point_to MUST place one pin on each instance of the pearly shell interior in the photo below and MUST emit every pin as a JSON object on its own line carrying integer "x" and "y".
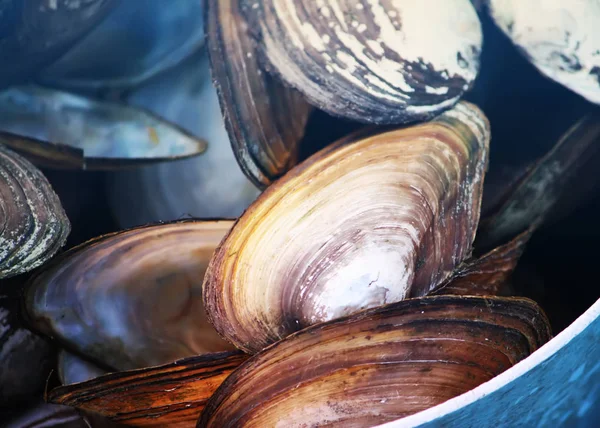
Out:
{"x": 131, "y": 299}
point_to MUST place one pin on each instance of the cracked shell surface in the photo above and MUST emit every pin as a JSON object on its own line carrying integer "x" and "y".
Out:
{"x": 370, "y": 220}
{"x": 375, "y": 61}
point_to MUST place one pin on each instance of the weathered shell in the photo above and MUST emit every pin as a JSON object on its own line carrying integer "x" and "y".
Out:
{"x": 131, "y": 299}
{"x": 379, "y": 365}
{"x": 26, "y": 359}
{"x": 560, "y": 38}
{"x": 377, "y": 61}
{"x": 34, "y": 224}
{"x": 265, "y": 121}
{"x": 172, "y": 395}
{"x": 136, "y": 41}
{"x": 34, "y": 33}
{"x": 98, "y": 134}
{"x": 207, "y": 186}
{"x": 73, "y": 369}
{"x": 370, "y": 220}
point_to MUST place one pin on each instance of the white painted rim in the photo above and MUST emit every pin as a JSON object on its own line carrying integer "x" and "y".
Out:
{"x": 539, "y": 356}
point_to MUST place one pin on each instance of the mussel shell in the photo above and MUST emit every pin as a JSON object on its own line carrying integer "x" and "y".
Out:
{"x": 265, "y": 121}
{"x": 67, "y": 130}
{"x": 74, "y": 369}
{"x": 207, "y": 186}
{"x": 560, "y": 38}
{"x": 34, "y": 33}
{"x": 172, "y": 395}
{"x": 372, "y": 219}
{"x": 379, "y": 365}
{"x": 130, "y": 299}
{"x": 26, "y": 359}
{"x": 136, "y": 41}
{"x": 376, "y": 61}
{"x": 34, "y": 224}
{"x": 564, "y": 174}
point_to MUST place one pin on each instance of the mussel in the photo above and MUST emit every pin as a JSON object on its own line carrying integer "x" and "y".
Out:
{"x": 560, "y": 38}
{"x": 265, "y": 120}
{"x": 534, "y": 196}
{"x": 373, "y": 219}
{"x": 34, "y": 224}
{"x": 130, "y": 299}
{"x": 62, "y": 129}
{"x": 372, "y": 61}
{"x": 172, "y": 395}
{"x": 379, "y": 365}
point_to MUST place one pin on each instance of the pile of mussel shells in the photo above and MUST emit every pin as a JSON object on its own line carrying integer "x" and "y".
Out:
{"x": 308, "y": 230}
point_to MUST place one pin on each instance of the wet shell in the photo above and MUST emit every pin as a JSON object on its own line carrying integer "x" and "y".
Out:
{"x": 560, "y": 38}
{"x": 172, "y": 395}
{"x": 265, "y": 121}
{"x": 78, "y": 132}
{"x": 372, "y": 219}
{"x": 376, "y": 61}
{"x": 34, "y": 224}
{"x": 131, "y": 299}
{"x": 379, "y": 365}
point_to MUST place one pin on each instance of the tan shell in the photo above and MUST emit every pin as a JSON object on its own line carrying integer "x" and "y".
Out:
{"x": 372, "y": 219}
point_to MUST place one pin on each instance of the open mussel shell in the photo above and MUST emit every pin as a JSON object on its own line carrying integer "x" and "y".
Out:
{"x": 171, "y": 395}
{"x": 371, "y": 61}
{"x": 26, "y": 359}
{"x": 207, "y": 186}
{"x": 558, "y": 37}
{"x": 372, "y": 219}
{"x": 265, "y": 120}
{"x": 379, "y": 365}
{"x": 60, "y": 129}
{"x": 33, "y": 33}
{"x": 131, "y": 299}
{"x": 34, "y": 224}
{"x": 135, "y": 42}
